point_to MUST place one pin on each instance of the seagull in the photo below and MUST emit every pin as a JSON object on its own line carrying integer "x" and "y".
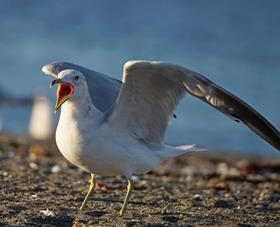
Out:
{"x": 111, "y": 128}
{"x": 41, "y": 119}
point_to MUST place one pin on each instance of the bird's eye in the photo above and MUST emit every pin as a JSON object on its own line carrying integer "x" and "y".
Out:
{"x": 76, "y": 78}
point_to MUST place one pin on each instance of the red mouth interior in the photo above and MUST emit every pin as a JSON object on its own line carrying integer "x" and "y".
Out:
{"x": 65, "y": 90}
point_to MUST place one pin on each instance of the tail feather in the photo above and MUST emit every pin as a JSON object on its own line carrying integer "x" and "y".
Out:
{"x": 191, "y": 148}
{"x": 171, "y": 152}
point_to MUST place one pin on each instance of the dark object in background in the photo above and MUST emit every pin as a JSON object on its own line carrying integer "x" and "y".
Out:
{"x": 7, "y": 99}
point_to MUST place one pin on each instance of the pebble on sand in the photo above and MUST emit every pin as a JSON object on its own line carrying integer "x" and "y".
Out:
{"x": 47, "y": 213}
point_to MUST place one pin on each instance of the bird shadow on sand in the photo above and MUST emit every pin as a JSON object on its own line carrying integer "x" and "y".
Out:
{"x": 60, "y": 220}
{"x": 120, "y": 201}
{"x": 87, "y": 216}
{"x": 93, "y": 213}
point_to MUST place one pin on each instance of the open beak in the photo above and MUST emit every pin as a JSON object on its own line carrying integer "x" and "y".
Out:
{"x": 64, "y": 91}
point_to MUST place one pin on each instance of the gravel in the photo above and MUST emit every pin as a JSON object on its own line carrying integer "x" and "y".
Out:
{"x": 39, "y": 187}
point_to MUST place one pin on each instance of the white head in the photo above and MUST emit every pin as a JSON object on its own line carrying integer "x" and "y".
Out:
{"x": 72, "y": 86}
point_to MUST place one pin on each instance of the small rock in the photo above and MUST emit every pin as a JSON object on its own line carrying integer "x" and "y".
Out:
{"x": 264, "y": 195}
{"x": 143, "y": 182}
{"x": 189, "y": 171}
{"x": 189, "y": 178}
{"x": 55, "y": 169}
{"x": 33, "y": 165}
{"x": 135, "y": 179}
{"x": 34, "y": 196}
{"x": 11, "y": 154}
{"x": 244, "y": 166}
{"x": 37, "y": 150}
{"x": 2, "y": 208}
{"x": 226, "y": 171}
{"x": 256, "y": 178}
{"x": 164, "y": 209}
{"x": 221, "y": 186}
{"x": 47, "y": 213}
{"x": 103, "y": 187}
{"x": 198, "y": 197}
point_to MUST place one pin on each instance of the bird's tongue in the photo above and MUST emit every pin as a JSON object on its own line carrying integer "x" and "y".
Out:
{"x": 64, "y": 91}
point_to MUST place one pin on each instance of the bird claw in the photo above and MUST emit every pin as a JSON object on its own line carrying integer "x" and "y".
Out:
{"x": 121, "y": 212}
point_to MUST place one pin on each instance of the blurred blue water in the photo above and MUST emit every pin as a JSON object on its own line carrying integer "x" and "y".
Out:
{"x": 234, "y": 43}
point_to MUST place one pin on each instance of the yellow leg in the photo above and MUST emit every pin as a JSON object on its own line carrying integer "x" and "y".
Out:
{"x": 90, "y": 191}
{"x": 129, "y": 190}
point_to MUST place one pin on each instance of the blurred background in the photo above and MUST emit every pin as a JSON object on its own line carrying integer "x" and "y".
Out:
{"x": 233, "y": 43}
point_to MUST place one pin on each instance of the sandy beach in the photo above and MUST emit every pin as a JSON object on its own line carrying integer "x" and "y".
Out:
{"x": 227, "y": 57}
{"x": 39, "y": 187}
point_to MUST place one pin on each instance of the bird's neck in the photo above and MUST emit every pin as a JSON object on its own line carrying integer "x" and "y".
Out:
{"x": 82, "y": 108}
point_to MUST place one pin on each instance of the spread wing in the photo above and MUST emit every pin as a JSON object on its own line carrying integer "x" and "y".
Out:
{"x": 103, "y": 89}
{"x": 151, "y": 91}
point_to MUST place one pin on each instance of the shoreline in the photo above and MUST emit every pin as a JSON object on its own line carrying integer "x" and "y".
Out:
{"x": 24, "y": 138}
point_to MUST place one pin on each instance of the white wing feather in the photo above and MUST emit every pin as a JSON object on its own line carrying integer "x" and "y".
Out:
{"x": 152, "y": 90}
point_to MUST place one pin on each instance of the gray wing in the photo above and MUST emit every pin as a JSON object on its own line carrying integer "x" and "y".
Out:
{"x": 103, "y": 89}
{"x": 151, "y": 91}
